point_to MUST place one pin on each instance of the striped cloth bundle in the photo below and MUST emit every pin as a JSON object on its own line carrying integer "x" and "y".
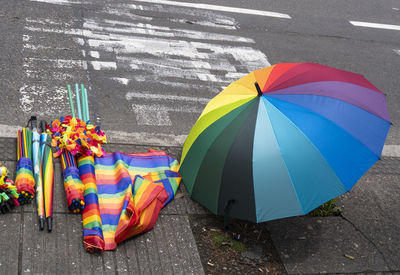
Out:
{"x": 124, "y": 194}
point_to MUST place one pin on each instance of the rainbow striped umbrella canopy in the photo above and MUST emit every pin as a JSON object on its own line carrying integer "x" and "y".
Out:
{"x": 282, "y": 140}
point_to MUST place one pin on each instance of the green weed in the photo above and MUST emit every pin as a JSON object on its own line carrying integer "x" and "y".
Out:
{"x": 222, "y": 240}
{"x": 327, "y": 209}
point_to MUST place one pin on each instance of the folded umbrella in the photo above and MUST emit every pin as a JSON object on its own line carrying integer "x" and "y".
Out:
{"x": 37, "y": 171}
{"x": 24, "y": 181}
{"x": 73, "y": 185}
{"x": 47, "y": 175}
{"x": 283, "y": 140}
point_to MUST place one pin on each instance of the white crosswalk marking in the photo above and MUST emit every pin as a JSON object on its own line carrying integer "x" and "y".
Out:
{"x": 375, "y": 25}
{"x": 122, "y": 44}
{"x": 218, "y": 8}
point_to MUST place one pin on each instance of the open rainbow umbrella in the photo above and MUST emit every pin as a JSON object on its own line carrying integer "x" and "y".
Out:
{"x": 283, "y": 140}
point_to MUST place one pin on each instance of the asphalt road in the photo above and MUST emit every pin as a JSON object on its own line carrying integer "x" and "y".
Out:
{"x": 151, "y": 66}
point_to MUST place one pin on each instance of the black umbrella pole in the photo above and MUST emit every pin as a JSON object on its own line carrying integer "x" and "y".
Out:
{"x": 226, "y": 213}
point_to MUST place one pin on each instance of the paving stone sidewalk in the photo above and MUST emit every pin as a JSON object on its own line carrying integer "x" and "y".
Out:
{"x": 365, "y": 239}
{"x": 169, "y": 248}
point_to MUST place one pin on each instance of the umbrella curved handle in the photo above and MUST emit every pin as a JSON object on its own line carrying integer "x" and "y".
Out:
{"x": 43, "y": 126}
{"x": 33, "y": 122}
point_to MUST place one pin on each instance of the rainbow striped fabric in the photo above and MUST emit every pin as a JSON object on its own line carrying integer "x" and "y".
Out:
{"x": 124, "y": 194}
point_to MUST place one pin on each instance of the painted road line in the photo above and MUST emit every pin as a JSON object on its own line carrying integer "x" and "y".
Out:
{"x": 391, "y": 151}
{"x": 218, "y": 8}
{"x": 158, "y": 139}
{"x": 397, "y": 51}
{"x": 375, "y": 25}
{"x": 157, "y": 114}
{"x": 154, "y": 139}
{"x": 131, "y": 95}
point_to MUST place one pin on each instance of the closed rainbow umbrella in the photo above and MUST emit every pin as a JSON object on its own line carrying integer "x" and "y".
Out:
{"x": 73, "y": 185}
{"x": 283, "y": 140}
{"x": 47, "y": 175}
{"x": 37, "y": 171}
{"x": 24, "y": 181}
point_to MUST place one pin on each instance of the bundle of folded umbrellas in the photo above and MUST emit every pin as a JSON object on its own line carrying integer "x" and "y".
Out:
{"x": 35, "y": 176}
{"x": 8, "y": 192}
{"x": 119, "y": 195}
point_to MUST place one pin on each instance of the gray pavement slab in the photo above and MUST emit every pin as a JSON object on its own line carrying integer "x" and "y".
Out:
{"x": 10, "y": 234}
{"x": 310, "y": 245}
{"x": 367, "y": 230}
{"x": 373, "y": 208}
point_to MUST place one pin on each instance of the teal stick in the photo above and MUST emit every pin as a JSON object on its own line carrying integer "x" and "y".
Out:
{"x": 83, "y": 103}
{"x": 87, "y": 105}
{"x": 78, "y": 101}
{"x": 71, "y": 102}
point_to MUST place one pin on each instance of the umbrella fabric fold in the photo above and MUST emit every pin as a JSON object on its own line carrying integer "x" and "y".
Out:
{"x": 283, "y": 140}
{"x": 131, "y": 190}
{"x": 91, "y": 220}
{"x": 24, "y": 181}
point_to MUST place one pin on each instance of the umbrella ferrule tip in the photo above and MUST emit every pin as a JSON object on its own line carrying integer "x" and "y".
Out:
{"x": 259, "y": 92}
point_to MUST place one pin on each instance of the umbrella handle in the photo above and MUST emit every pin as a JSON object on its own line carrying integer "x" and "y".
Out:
{"x": 33, "y": 121}
{"x": 43, "y": 126}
